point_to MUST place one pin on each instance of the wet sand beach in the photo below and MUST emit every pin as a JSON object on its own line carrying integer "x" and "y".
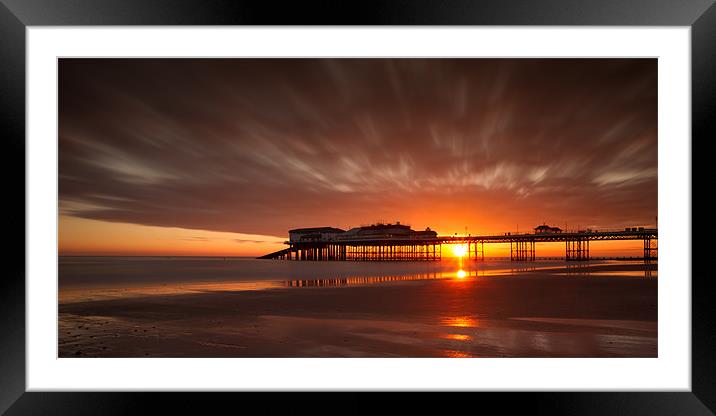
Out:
{"x": 542, "y": 310}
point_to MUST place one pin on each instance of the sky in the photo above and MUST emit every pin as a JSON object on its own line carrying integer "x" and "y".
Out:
{"x": 224, "y": 156}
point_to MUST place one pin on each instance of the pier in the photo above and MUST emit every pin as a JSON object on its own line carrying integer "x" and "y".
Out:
{"x": 379, "y": 250}
{"x": 396, "y": 242}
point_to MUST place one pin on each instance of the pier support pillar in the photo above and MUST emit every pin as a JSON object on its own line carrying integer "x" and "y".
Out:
{"x": 577, "y": 250}
{"x": 522, "y": 250}
{"x": 478, "y": 250}
{"x": 651, "y": 248}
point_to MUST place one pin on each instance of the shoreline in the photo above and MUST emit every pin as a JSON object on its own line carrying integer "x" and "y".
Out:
{"x": 112, "y": 290}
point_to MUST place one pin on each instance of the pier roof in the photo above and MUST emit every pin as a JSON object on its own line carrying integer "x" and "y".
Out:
{"x": 317, "y": 230}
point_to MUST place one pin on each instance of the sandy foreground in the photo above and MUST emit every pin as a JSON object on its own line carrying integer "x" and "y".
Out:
{"x": 605, "y": 311}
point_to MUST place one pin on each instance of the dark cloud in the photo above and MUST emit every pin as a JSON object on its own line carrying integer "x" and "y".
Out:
{"x": 263, "y": 145}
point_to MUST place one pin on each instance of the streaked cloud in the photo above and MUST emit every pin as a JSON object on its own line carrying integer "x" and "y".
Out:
{"x": 625, "y": 176}
{"x": 258, "y": 146}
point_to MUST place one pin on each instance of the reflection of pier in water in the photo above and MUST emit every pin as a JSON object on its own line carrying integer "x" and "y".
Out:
{"x": 586, "y": 270}
{"x": 358, "y": 281}
{"x": 571, "y": 270}
{"x": 579, "y": 269}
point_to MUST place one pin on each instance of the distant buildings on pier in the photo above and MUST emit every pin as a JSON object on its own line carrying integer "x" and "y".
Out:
{"x": 370, "y": 232}
{"x": 546, "y": 229}
{"x": 300, "y": 235}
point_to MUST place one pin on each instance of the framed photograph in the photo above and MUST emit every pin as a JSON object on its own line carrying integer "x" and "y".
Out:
{"x": 454, "y": 197}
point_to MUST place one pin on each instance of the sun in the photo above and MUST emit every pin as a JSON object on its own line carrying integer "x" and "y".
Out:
{"x": 459, "y": 250}
{"x": 461, "y": 274}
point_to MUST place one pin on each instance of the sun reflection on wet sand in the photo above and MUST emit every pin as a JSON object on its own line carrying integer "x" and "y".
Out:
{"x": 460, "y": 321}
{"x": 456, "y": 354}
{"x": 456, "y": 337}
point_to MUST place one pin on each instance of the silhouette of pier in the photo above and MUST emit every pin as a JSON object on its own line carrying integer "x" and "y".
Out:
{"x": 383, "y": 243}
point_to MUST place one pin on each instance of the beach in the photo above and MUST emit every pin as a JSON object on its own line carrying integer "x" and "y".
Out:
{"x": 154, "y": 307}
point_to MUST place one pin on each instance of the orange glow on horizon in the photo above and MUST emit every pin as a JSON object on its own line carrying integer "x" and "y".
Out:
{"x": 82, "y": 237}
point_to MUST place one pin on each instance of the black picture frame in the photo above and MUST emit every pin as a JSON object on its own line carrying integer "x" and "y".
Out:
{"x": 16, "y": 15}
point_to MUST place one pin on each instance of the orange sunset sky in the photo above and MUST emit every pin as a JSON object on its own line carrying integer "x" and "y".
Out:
{"x": 221, "y": 157}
